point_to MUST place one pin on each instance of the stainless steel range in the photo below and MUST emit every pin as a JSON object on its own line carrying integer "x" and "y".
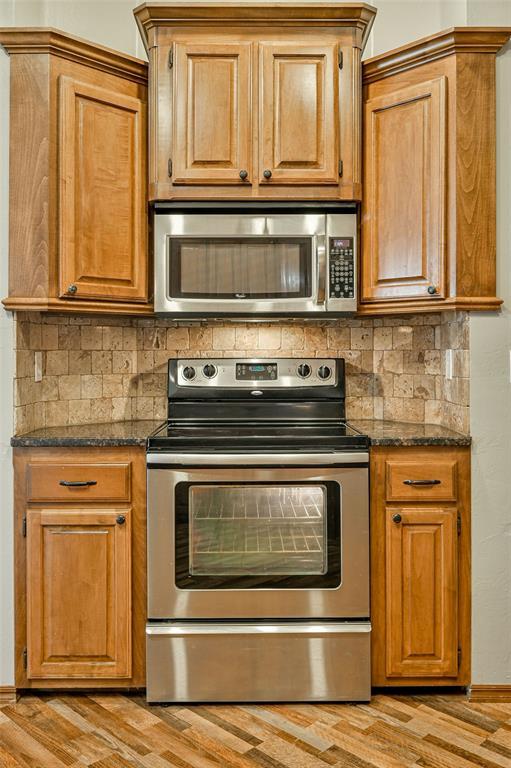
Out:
{"x": 258, "y": 536}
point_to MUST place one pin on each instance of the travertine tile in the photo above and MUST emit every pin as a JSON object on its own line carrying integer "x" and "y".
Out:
{"x": 223, "y": 338}
{"x": 101, "y": 362}
{"x": 92, "y": 337}
{"x": 91, "y": 386}
{"x": 362, "y": 338}
{"x": 246, "y": 337}
{"x": 201, "y": 337}
{"x": 382, "y": 338}
{"x": 115, "y": 367}
{"x": 178, "y": 338}
{"x": 56, "y": 363}
{"x": 70, "y": 388}
{"x": 402, "y": 337}
{"x": 268, "y": 338}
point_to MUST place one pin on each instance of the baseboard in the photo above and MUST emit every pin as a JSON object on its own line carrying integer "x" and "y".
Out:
{"x": 7, "y": 694}
{"x": 494, "y": 693}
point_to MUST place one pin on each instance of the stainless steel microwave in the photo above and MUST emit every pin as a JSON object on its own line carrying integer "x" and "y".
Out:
{"x": 255, "y": 263}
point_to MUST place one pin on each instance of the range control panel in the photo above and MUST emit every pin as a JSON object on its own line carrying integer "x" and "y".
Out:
{"x": 224, "y": 372}
{"x": 342, "y": 267}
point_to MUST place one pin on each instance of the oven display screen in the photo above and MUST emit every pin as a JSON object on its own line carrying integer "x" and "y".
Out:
{"x": 256, "y": 371}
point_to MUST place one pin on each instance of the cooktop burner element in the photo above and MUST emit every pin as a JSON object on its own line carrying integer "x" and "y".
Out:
{"x": 236, "y": 405}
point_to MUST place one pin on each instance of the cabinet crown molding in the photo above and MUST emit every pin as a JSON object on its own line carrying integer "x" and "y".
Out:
{"x": 30, "y": 40}
{"x": 260, "y": 12}
{"x": 444, "y": 43}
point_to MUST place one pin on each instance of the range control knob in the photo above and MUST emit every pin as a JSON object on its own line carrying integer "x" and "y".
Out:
{"x": 324, "y": 372}
{"x": 209, "y": 371}
{"x": 188, "y": 373}
{"x": 304, "y": 370}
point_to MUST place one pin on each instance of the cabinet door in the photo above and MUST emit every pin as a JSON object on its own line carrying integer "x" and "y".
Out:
{"x": 212, "y": 108}
{"x": 102, "y": 200}
{"x": 403, "y": 221}
{"x": 421, "y": 592}
{"x": 299, "y": 114}
{"x": 79, "y": 593}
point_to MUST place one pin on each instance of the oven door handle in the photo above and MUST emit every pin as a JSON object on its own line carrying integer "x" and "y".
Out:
{"x": 256, "y": 459}
{"x": 319, "y": 247}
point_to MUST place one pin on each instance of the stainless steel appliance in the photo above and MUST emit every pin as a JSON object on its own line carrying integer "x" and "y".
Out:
{"x": 258, "y": 536}
{"x": 274, "y": 263}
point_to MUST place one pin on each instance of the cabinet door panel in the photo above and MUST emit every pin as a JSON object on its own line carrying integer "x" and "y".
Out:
{"x": 102, "y": 248}
{"x": 78, "y": 594}
{"x": 421, "y": 592}
{"x": 299, "y": 114}
{"x": 212, "y": 106}
{"x": 403, "y": 217}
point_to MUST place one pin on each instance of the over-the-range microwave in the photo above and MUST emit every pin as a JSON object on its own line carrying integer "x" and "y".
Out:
{"x": 255, "y": 263}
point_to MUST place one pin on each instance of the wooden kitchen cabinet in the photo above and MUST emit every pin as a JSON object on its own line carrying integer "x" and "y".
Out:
{"x": 299, "y": 114}
{"x": 78, "y": 593}
{"x": 78, "y": 210}
{"x": 80, "y": 567}
{"x": 420, "y": 566}
{"x": 212, "y": 118}
{"x": 254, "y": 101}
{"x": 428, "y": 208}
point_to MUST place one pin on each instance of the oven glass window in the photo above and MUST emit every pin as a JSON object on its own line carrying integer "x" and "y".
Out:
{"x": 262, "y": 530}
{"x": 252, "y": 268}
{"x": 258, "y": 535}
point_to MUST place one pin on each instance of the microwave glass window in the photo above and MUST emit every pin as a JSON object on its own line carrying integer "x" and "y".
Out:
{"x": 258, "y": 530}
{"x": 240, "y": 268}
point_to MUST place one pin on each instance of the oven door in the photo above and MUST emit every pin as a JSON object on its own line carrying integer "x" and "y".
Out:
{"x": 211, "y": 264}
{"x": 258, "y": 541}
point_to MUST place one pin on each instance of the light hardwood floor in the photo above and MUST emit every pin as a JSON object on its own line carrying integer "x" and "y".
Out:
{"x": 114, "y": 731}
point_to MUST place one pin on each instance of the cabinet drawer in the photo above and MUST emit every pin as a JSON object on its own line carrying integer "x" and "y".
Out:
{"x": 421, "y": 481}
{"x": 78, "y": 482}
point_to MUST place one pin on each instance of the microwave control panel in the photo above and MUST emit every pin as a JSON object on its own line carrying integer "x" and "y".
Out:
{"x": 342, "y": 268}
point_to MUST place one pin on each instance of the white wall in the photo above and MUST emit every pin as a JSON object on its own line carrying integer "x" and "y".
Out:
{"x": 490, "y": 411}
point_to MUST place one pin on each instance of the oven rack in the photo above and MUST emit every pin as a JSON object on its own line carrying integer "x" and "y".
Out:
{"x": 284, "y": 539}
{"x": 306, "y": 514}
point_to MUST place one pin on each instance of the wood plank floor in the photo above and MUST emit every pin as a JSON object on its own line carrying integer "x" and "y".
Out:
{"x": 117, "y": 731}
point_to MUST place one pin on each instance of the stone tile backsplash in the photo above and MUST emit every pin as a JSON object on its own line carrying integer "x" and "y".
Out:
{"x": 98, "y": 369}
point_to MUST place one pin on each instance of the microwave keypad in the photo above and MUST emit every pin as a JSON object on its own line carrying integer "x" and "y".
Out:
{"x": 342, "y": 269}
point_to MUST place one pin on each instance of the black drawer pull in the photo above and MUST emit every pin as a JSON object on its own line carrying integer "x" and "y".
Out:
{"x": 77, "y": 483}
{"x": 422, "y": 482}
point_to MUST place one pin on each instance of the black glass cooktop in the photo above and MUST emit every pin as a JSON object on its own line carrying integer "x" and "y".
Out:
{"x": 229, "y": 436}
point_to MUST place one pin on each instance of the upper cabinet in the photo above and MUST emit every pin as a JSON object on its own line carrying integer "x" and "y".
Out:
{"x": 255, "y": 100}
{"x": 428, "y": 209}
{"x": 78, "y": 178}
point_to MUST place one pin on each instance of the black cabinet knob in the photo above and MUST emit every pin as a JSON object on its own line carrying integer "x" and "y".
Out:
{"x": 243, "y": 175}
{"x": 120, "y": 519}
{"x": 72, "y": 289}
{"x": 267, "y": 173}
{"x": 396, "y": 518}
{"x": 431, "y": 290}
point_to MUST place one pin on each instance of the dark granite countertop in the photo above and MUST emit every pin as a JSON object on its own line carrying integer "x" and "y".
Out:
{"x": 95, "y": 435}
{"x": 391, "y": 433}
{"x": 396, "y": 433}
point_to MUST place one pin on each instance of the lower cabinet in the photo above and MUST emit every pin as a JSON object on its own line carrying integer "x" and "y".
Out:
{"x": 80, "y": 567}
{"x": 420, "y": 549}
{"x": 78, "y": 593}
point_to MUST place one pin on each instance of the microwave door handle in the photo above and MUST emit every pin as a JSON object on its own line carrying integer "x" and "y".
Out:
{"x": 320, "y": 251}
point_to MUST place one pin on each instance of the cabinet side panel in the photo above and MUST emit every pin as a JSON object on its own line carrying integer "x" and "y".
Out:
{"x": 476, "y": 175}
{"x": 29, "y": 176}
